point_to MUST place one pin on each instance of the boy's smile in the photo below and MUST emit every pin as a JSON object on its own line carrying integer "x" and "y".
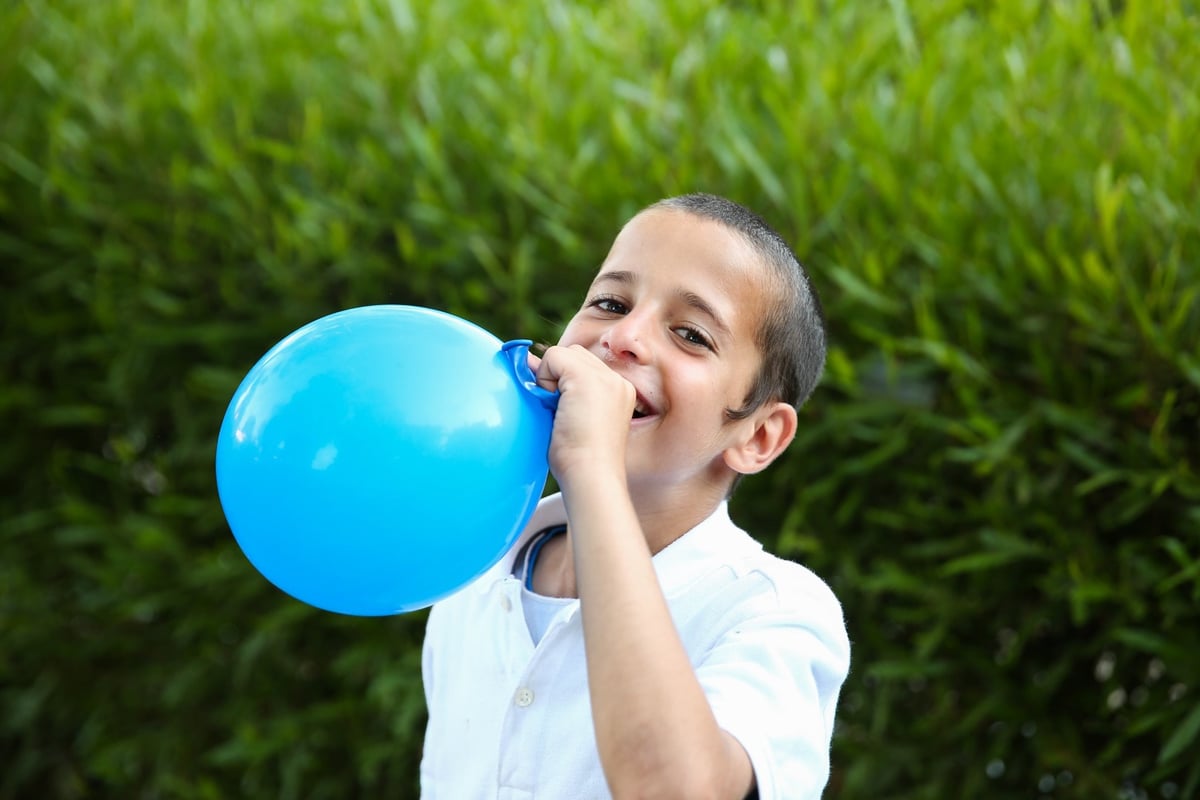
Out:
{"x": 674, "y": 310}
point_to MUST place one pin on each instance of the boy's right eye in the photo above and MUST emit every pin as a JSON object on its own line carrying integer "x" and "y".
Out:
{"x": 609, "y": 305}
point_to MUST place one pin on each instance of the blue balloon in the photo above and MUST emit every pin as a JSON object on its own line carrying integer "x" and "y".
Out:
{"x": 380, "y": 458}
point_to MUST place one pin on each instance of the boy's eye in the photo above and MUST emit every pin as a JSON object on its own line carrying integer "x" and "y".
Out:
{"x": 693, "y": 336}
{"x": 609, "y": 305}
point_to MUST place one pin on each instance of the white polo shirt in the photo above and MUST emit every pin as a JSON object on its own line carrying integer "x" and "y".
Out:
{"x": 509, "y": 720}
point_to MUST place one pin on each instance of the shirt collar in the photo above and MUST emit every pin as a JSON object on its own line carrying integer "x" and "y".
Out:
{"x": 713, "y": 542}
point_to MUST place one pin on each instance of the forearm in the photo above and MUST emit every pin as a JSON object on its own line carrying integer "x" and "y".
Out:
{"x": 654, "y": 727}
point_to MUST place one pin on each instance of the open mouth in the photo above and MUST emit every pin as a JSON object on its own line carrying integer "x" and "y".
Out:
{"x": 641, "y": 409}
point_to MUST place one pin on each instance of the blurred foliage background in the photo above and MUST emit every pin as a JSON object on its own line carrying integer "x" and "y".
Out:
{"x": 998, "y": 201}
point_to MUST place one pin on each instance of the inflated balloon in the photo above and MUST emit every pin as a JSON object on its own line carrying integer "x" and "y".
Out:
{"x": 380, "y": 458}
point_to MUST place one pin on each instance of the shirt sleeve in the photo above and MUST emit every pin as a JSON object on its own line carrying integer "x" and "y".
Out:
{"x": 773, "y": 681}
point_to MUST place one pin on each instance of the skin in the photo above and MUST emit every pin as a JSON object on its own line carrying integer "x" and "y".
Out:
{"x": 667, "y": 327}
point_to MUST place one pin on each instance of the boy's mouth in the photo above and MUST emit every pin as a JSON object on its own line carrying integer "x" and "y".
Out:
{"x": 642, "y": 409}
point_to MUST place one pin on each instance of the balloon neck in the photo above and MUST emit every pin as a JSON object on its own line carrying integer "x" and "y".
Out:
{"x": 517, "y": 354}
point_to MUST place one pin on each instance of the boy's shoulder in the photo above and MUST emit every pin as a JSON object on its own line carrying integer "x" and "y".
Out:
{"x": 792, "y": 591}
{"x": 789, "y": 583}
{"x": 720, "y": 545}
{"x": 725, "y": 590}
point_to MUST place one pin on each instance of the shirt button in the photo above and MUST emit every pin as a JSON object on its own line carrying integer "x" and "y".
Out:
{"x": 505, "y": 603}
{"x": 524, "y": 697}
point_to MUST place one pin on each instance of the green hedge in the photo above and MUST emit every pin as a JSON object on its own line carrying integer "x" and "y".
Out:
{"x": 999, "y": 202}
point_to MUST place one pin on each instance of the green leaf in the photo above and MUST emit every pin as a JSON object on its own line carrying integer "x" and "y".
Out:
{"x": 1182, "y": 738}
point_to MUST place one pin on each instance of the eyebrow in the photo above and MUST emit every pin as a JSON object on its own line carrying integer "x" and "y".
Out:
{"x": 691, "y": 299}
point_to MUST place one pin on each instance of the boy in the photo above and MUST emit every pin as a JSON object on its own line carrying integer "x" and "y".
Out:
{"x": 635, "y": 642}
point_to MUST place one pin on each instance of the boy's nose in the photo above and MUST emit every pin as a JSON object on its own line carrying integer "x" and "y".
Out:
{"x": 627, "y": 339}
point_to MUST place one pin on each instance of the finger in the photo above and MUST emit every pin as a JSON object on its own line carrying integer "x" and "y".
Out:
{"x": 547, "y": 371}
{"x": 533, "y": 361}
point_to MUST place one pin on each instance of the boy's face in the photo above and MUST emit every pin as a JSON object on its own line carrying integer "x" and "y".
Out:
{"x": 674, "y": 310}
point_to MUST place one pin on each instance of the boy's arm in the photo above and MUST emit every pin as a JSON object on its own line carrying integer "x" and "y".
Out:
{"x": 654, "y": 727}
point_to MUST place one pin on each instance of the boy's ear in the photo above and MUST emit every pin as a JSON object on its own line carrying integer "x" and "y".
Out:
{"x": 768, "y": 432}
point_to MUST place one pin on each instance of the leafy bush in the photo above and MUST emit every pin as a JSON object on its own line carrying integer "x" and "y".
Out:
{"x": 998, "y": 475}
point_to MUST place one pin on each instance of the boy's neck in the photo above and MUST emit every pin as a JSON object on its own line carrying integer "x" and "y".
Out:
{"x": 667, "y": 515}
{"x": 663, "y": 516}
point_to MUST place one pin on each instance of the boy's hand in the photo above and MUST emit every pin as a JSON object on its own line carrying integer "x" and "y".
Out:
{"x": 594, "y": 410}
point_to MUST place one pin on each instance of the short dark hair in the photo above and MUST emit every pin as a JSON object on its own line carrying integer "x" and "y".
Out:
{"x": 791, "y": 337}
